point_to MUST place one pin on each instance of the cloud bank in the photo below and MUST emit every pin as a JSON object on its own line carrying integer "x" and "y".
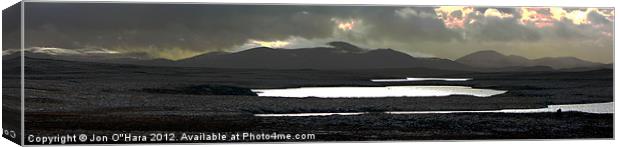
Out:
{"x": 177, "y": 31}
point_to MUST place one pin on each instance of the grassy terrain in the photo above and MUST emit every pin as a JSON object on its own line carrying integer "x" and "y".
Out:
{"x": 69, "y": 96}
{"x": 347, "y": 128}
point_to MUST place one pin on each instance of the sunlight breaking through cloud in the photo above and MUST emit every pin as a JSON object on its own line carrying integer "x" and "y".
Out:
{"x": 345, "y": 25}
{"x": 271, "y": 44}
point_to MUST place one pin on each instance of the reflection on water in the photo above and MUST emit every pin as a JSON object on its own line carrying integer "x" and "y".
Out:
{"x": 588, "y": 108}
{"x": 377, "y": 92}
{"x": 422, "y": 79}
{"x": 307, "y": 114}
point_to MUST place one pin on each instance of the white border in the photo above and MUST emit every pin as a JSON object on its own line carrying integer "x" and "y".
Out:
{"x": 567, "y": 3}
{"x": 494, "y": 143}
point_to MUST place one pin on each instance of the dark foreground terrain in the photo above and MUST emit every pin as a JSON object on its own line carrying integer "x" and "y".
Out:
{"x": 82, "y": 97}
{"x": 367, "y": 127}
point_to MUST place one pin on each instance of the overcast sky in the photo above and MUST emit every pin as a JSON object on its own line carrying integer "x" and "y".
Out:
{"x": 177, "y": 31}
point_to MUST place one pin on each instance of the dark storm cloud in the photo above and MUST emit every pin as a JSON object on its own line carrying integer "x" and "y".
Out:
{"x": 492, "y": 28}
{"x": 565, "y": 30}
{"x": 178, "y": 31}
{"x": 210, "y": 27}
{"x": 597, "y": 18}
{"x": 194, "y": 27}
{"x": 506, "y": 30}
{"x": 11, "y": 27}
{"x": 216, "y": 27}
{"x": 408, "y": 25}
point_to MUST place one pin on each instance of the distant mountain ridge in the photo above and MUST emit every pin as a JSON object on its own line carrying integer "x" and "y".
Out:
{"x": 340, "y": 55}
{"x": 87, "y": 55}
{"x": 493, "y": 59}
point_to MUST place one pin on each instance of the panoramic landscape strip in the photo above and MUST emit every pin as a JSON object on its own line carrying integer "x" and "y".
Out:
{"x": 222, "y": 73}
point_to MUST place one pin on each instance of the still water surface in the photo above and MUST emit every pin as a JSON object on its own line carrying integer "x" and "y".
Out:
{"x": 422, "y": 79}
{"x": 600, "y": 108}
{"x": 377, "y": 92}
